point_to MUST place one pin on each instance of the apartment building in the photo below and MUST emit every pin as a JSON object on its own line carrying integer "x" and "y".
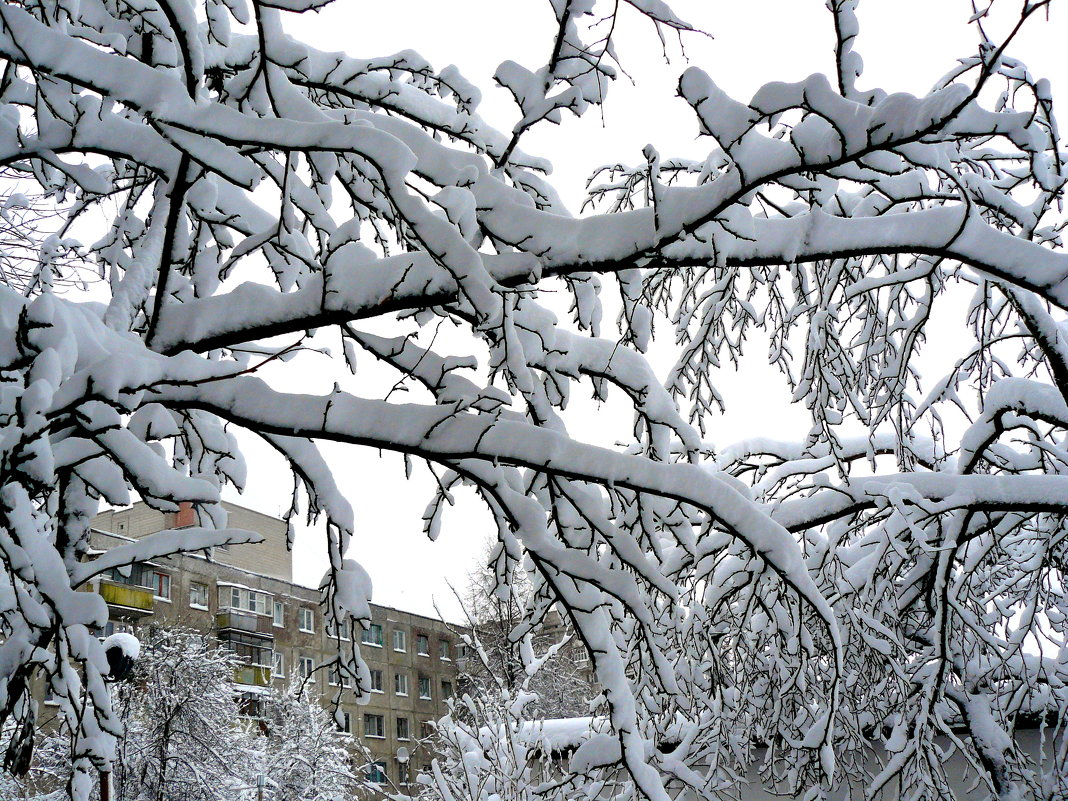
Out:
{"x": 245, "y": 595}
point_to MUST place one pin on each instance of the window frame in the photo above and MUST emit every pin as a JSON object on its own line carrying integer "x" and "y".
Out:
{"x": 339, "y": 630}
{"x": 371, "y": 680}
{"x": 368, "y": 717}
{"x": 403, "y": 637}
{"x": 397, "y": 676}
{"x": 376, "y": 773}
{"x": 278, "y": 615}
{"x": 157, "y": 586}
{"x": 424, "y": 681}
{"x": 407, "y": 728}
{"x": 309, "y": 675}
{"x": 194, "y": 586}
{"x": 306, "y": 613}
{"x": 422, "y": 645}
{"x": 444, "y": 650}
{"x": 367, "y": 633}
{"x": 338, "y": 679}
{"x": 243, "y": 599}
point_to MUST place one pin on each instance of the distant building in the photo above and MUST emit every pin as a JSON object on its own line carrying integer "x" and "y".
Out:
{"x": 246, "y": 596}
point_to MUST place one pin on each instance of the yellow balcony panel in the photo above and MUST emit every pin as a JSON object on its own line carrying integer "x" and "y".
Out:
{"x": 127, "y": 598}
{"x": 252, "y": 675}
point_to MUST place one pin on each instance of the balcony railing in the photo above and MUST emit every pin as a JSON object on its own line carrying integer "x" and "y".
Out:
{"x": 129, "y": 598}
{"x": 243, "y": 621}
{"x": 252, "y": 675}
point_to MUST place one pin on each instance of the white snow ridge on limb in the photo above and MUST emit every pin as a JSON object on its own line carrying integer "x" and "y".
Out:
{"x": 838, "y": 608}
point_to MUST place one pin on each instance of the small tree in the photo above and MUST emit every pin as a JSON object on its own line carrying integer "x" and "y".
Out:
{"x": 184, "y": 740}
{"x": 302, "y": 754}
{"x": 508, "y": 639}
{"x": 495, "y": 743}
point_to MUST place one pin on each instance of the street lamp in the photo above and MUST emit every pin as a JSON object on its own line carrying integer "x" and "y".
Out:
{"x": 404, "y": 758}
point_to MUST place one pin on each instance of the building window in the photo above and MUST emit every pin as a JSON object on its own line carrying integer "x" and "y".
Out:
{"x": 133, "y": 575}
{"x": 424, "y": 687}
{"x": 444, "y": 651}
{"x": 427, "y": 727}
{"x": 422, "y": 645}
{"x": 278, "y": 666}
{"x": 278, "y": 616}
{"x": 376, "y": 680}
{"x": 307, "y": 668}
{"x": 374, "y": 726}
{"x": 198, "y": 595}
{"x": 339, "y": 629}
{"x": 346, "y": 723}
{"x": 161, "y": 586}
{"x": 336, "y": 678}
{"x": 400, "y": 683}
{"x": 376, "y": 772}
{"x": 372, "y": 635}
{"x": 400, "y": 640}
{"x": 446, "y": 689}
{"x": 242, "y": 599}
{"x": 306, "y": 620}
{"x": 402, "y": 729}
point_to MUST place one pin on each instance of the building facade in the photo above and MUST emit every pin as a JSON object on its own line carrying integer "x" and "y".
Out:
{"x": 245, "y": 595}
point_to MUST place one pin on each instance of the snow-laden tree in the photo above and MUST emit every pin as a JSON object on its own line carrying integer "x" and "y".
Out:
{"x": 497, "y": 661}
{"x": 184, "y": 739}
{"x": 893, "y": 575}
{"x": 504, "y": 735}
{"x": 302, "y": 755}
{"x": 494, "y": 744}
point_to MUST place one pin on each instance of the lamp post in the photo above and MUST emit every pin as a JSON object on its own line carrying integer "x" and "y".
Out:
{"x": 404, "y": 758}
{"x": 122, "y": 650}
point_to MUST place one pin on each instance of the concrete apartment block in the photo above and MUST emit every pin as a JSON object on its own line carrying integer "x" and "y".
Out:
{"x": 270, "y": 557}
{"x": 245, "y": 596}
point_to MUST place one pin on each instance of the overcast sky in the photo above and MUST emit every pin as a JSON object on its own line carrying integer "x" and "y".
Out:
{"x": 906, "y": 45}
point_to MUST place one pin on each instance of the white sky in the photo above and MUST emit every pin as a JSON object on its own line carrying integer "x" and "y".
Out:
{"x": 906, "y": 45}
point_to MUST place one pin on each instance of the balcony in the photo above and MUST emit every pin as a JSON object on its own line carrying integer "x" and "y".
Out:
{"x": 243, "y": 621}
{"x": 126, "y": 600}
{"x": 252, "y": 675}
